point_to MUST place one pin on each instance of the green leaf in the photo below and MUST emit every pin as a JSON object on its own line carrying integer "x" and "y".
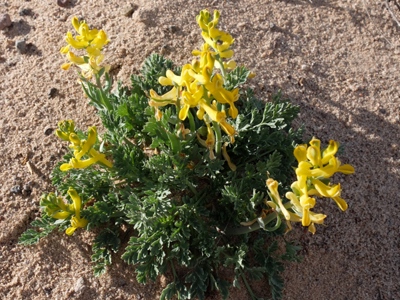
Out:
{"x": 44, "y": 227}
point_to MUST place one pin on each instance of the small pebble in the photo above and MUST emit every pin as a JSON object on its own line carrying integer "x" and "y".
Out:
{"x": 53, "y": 92}
{"x": 63, "y": 3}
{"x": 305, "y": 68}
{"x": 21, "y": 46}
{"x": 79, "y": 285}
{"x": 27, "y": 189}
{"x": 5, "y": 21}
{"x": 25, "y": 12}
{"x": 382, "y": 111}
{"x": 48, "y": 131}
{"x": 172, "y": 28}
{"x": 16, "y": 189}
{"x": 129, "y": 10}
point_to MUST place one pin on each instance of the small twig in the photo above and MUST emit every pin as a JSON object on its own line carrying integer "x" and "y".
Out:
{"x": 391, "y": 12}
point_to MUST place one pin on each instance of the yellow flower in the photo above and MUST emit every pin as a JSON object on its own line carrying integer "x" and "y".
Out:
{"x": 225, "y": 154}
{"x": 170, "y": 97}
{"x": 81, "y": 147}
{"x": 92, "y": 41}
{"x": 216, "y": 116}
{"x": 313, "y": 173}
{"x": 313, "y": 163}
{"x": 215, "y": 87}
{"x": 219, "y": 40}
{"x": 298, "y": 213}
{"x": 190, "y": 99}
{"x": 296, "y": 210}
{"x": 75, "y": 224}
{"x": 56, "y": 208}
{"x": 76, "y": 220}
{"x": 274, "y": 194}
{"x": 209, "y": 143}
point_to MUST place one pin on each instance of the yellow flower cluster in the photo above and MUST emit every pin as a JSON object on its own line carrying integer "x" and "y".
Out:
{"x": 81, "y": 148}
{"x": 313, "y": 173}
{"x": 199, "y": 86}
{"x": 56, "y": 208}
{"x": 92, "y": 41}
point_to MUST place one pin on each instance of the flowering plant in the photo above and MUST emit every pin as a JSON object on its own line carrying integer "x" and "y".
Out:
{"x": 181, "y": 170}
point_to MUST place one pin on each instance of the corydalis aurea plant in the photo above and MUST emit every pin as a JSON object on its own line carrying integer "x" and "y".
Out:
{"x": 166, "y": 180}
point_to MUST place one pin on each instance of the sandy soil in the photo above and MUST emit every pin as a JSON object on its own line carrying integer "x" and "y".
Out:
{"x": 338, "y": 60}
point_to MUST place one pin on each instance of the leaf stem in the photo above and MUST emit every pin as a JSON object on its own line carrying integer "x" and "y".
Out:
{"x": 255, "y": 226}
{"x": 218, "y": 138}
{"x": 253, "y": 297}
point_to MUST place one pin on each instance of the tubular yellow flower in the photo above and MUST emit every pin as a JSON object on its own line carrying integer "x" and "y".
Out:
{"x": 219, "y": 40}
{"x": 273, "y": 189}
{"x": 217, "y": 116}
{"x": 75, "y": 224}
{"x": 56, "y": 208}
{"x": 81, "y": 148}
{"x": 170, "y": 97}
{"x": 76, "y": 220}
{"x": 77, "y": 60}
{"x": 225, "y": 154}
{"x": 215, "y": 87}
{"x": 90, "y": 40}
{"x": 86, "y": 145}
{"x": 298, "y": 213}
{"x": 190, "y": 98}
{"x": 325, "y": 190}
{"x": 313, "y": 173}
{"x": 300, "y": 153}
{"x": 209, "y": 143}
{"x": 76, "y": 43}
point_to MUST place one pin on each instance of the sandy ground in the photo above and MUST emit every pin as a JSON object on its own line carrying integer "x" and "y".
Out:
{"x": 338, "y": 60}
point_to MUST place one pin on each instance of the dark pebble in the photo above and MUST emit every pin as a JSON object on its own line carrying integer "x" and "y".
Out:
{"x": 173, "y": 28}
{"x": 21, "y": 46}
{"x": 63, "y": 3}
{"x": 48, "y": 131}
{"x": 53, "y": 92}
{"x": 382, "y": 111}
{"x": 27, "y": 190}
{"x": 25, "y": 12}
{"x": 5, "y": 21}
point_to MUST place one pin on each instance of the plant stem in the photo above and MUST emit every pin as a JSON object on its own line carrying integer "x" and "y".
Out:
{"x": 253, "y": 227}
{"x": 104, "y": 98}
{"x": 253, "y": 297}
{"x": 173, "y": 270}
{"x": 218, "y": 138}
{"x": 192, "y": 125}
